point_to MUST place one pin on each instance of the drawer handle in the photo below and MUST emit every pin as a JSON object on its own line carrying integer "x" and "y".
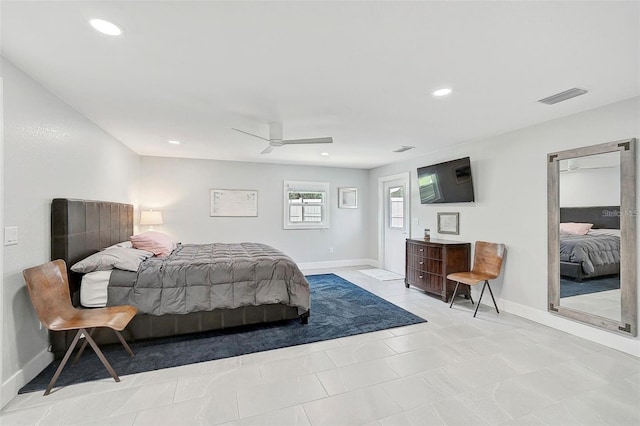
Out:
{"x": 422, "y": 263}
{"x": 421, "y": 276}
{"x": 421, "y": 249}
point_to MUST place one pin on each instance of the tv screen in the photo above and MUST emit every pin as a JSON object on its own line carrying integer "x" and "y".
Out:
{"x": 448, "y": 182}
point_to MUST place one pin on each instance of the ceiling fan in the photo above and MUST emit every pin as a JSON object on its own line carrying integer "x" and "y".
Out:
{"x": 275, "y": 138}
{"x": 574, "y": 164}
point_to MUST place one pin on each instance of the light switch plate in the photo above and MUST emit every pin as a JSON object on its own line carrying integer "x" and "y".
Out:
{"x": 10, "y": 235}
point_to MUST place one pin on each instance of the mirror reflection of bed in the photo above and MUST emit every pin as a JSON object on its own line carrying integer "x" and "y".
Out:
{"x": 590, "y": 234}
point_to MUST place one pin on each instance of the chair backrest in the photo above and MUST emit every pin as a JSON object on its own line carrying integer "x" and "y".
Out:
{"x": 488, "y": 258}
{"x": 48, "y": 287}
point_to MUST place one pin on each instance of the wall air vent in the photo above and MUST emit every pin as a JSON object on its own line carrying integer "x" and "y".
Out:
{"x": 403, "y": 148}
{"x": 563, "y": 96}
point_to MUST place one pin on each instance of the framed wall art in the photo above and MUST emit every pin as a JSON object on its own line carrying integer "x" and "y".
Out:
{"x": 449, "y": 223}
{"x": 233, "y": 202}
{"x": 348, "y": 198}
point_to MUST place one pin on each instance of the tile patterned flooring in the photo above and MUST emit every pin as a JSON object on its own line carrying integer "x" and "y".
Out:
{"x": 604, "y": 303}
{"x": 452, "y": 370}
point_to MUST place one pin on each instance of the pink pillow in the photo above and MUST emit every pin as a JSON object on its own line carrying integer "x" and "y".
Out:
{"x": 156, "y": 242}
{"x": 574, "y": 228}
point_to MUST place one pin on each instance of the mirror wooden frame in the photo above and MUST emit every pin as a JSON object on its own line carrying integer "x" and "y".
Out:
{"x": 628, "y": 324}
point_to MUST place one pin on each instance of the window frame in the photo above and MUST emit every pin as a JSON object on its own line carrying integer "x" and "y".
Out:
{"x": 306, "y": 186}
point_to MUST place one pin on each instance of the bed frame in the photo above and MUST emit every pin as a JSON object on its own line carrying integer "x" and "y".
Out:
{"x": 80, "y": 228}
{"x": 600, "y": 220}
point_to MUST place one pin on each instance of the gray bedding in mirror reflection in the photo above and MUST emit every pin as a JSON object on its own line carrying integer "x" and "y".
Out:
{"x": 591, "y": 251}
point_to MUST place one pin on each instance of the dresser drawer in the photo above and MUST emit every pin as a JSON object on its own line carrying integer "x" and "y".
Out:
{"x": 425, "y": 264}
{"x": 425, "y": 280}
{"x": 422, "y": 250}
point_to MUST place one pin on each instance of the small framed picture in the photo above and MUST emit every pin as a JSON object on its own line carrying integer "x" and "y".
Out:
{"x": 449, "y": 223}
{"x": 348, "y": 198}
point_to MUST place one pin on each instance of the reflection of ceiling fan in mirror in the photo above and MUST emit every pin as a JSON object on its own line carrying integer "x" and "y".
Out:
{"x": 275, "y": 138}
{"x": 575, "y": 164}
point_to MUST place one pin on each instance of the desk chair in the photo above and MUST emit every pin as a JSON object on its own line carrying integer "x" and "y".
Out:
{"x": 487, "y": 264}
{"x": 48, "y": 287}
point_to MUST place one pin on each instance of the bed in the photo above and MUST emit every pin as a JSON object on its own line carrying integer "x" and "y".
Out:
{"x": 596, "y": 253}
{"x": 80, "y": 228}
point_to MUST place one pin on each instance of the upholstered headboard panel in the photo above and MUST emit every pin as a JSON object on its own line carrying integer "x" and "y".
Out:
{"x": 80, "y": 228}
{"x": 602, "y": 217}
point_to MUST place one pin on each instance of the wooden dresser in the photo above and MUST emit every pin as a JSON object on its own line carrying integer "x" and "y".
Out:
{"x": 428, "y": 262}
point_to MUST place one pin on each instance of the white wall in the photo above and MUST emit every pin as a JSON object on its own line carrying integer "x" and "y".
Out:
{"x": 180, "y": 189}
{"x": 50, "y": 150}
{"x": 510, "y": 180}
{"x": 590, "y": 187}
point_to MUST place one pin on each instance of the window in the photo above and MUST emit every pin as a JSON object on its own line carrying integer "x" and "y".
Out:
{"x": 396, "y": 198}
{"x": 306, "y": 205}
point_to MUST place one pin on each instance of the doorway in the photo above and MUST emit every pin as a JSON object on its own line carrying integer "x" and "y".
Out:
{"x": 394, "y": 204}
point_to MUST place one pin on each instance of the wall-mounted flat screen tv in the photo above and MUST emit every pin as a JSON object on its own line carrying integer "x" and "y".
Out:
{"x": 448, "y": 182}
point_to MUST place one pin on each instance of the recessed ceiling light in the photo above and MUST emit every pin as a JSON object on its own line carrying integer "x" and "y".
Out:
{"x": 442, "y": 92}
{"x": 174, "y": 142}
{"x": 324, "y": 153}
{"x": 105, "y": 27}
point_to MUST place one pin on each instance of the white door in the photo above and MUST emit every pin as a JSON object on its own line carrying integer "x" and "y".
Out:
{"x": 396, "y": 223}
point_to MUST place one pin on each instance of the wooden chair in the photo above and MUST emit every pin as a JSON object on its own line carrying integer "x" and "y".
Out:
{"x": 487, "y": 263}
{"x": 49, "y": 292}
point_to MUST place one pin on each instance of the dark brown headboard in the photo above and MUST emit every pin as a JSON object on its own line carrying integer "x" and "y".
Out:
{"x": 602, "y": 217}
{"x": 80, "y": 228}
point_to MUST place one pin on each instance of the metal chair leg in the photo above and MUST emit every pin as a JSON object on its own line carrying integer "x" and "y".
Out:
{"x": 82, "y": 347}
{"x": 63, "y": 362}
{"x": 479, "y": 300}
{"x": 102, "y": 358}
{"x": 492, "y": 298}
{"x": 454, "y": 294}
{"x": 124, "y": 343}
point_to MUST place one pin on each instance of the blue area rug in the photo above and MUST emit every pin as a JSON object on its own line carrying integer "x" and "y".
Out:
{"x": 338, "y": 309}
{"x": 570, "y": 288}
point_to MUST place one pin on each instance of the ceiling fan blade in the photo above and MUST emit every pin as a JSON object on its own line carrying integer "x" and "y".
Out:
{"x": 267, "y": 150}
{"x": 305, "y": 141}
{"x": 250, "y": 134}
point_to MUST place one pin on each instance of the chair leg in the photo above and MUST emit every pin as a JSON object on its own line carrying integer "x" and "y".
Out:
{"x": 492, "y": 298}
{"x": 102, "y": 358}
{"x": 479, "y": 300}
{"x": 63, "y": 362}
{"x": 455, "y": 290}
{"x": 82, "y": 347}
{"x": 124, "y": 343}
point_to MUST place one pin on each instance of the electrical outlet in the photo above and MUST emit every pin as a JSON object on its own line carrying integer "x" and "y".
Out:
{"x": 330, "y": 249}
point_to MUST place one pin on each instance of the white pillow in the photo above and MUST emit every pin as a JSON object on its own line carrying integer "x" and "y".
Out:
{"x": 127, "y": 259}
{"x": 124, "y": 244}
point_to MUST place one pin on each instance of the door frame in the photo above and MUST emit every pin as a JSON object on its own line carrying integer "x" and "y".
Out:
{"x": 381, "y": 208}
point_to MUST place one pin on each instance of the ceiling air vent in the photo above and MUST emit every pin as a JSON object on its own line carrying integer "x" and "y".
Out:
{"x": 403, "y": 148}
{"x": 563, "y": 96}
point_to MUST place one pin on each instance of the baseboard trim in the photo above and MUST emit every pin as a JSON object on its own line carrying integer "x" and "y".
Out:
{"x": 338, "y": 263}
{"x": 624, "y": 344}
{"x": 12, "y": 385}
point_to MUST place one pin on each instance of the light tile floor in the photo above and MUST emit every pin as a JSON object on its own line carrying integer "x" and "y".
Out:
{"x": 604, "y": 303}
{"x": 454, "y": 369}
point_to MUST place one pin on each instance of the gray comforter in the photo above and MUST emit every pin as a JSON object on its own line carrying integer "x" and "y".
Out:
{"x": 204, "y": 277}
{"x": 590, "y": 250}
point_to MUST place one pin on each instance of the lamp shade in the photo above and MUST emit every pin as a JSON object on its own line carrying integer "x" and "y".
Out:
{"x": 150, "y": 217}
